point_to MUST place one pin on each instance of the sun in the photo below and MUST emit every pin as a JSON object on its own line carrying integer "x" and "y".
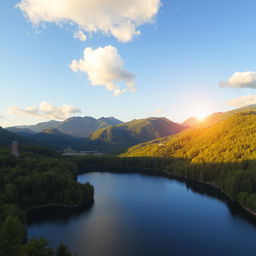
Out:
{"x": 201, "y": 116}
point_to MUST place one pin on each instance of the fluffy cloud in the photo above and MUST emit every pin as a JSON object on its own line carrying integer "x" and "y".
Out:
{"x": 243, "y": 101}
{"x": 79, "y": 35}
{"x": 241, "y": 80}
{"x": 119, "y": 18}
{"x": 105, "y": 67}
{"x": 46, "y": 110}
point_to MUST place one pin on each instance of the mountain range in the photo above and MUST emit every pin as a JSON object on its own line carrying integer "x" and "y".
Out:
{"x": 74, "y": 126}
{"x": 193, "y": 139}
{"x": 115, "y": 138}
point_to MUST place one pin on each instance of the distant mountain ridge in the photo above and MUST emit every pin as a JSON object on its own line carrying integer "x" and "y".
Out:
{"x": 74, "y": 126}
{"x": 7, "y": 137}
{"x": 52, "y": 124}
{"x": 111, "y": 139}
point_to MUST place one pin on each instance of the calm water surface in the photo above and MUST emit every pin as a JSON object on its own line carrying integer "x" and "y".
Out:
{"x": 138, "y": 215}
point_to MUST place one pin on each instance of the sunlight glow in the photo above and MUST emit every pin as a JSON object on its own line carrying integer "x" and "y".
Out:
{"x": 201, "y": 116}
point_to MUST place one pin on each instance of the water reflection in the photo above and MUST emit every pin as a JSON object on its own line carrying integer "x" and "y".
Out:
{"x": 209, "y": 191}
{"x": 137, "y": 215}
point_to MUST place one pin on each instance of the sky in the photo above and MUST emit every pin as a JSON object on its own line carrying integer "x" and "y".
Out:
{"x": 129, "y": 59}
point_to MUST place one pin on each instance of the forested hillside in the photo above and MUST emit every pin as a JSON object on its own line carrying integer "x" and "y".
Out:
{"x": 227, "y": 141}
{"x": 223, "y": 154}
{"x": 136, "y": 131}
{"x": 34, "y": 179}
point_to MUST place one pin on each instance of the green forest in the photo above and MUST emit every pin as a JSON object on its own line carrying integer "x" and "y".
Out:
{"x": 37, "y": 178}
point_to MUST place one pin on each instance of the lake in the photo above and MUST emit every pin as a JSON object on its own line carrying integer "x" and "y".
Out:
{"x": 137, "y": 215}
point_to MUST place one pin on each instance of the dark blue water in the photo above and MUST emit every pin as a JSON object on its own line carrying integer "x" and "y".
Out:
{"x": 137, "y": 215}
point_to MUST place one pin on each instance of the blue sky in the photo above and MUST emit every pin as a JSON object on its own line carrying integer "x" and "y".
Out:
{"x": 179, "y": 61}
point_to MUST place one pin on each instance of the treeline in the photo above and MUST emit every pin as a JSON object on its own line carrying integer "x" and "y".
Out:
{"x": 37, "y": 178}
{"x": 110, "y": 163}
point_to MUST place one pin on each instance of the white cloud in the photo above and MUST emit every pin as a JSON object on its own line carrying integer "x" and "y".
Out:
{"x": 243, "y": 101}
{"x": 119, "y": 18}
{"x": 80, "y": 35}
{"x": 241, "y": 80}
{"x": 46, "y": 110}
{"x": 105, "y": 67}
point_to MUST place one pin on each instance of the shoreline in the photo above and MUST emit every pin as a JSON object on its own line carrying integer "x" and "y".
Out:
{"x": 252, "y": 213}
{"x": 146, "y": 171}
{"x": 57, "y": 205}
{"x": 170, "y": 175}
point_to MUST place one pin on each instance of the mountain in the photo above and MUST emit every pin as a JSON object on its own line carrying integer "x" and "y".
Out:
{"x": 217, "y": 117}
{"x": 247, "y": 109}
{"x": 192, "y": 121}
{"x": 58, "y": 140}
{"x": 230, "y": 140}
{"x": 20, "y": 131}
{"x": 38, "y": 127}
{"x": 206, "y": 122}
{"x": 73, "y": 132}
{"x": 52, "y": 138}
{"x": 136, "y": 131}
{"x": 83, "y": 126}
{"x": 7, "y": 137}
{"x": 74, "y": 126}
{"x": 108, "y": 121}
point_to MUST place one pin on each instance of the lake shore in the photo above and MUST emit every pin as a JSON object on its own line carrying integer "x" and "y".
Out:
{"x": 59, "y": 206}
{"x": 164, "y": 173}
